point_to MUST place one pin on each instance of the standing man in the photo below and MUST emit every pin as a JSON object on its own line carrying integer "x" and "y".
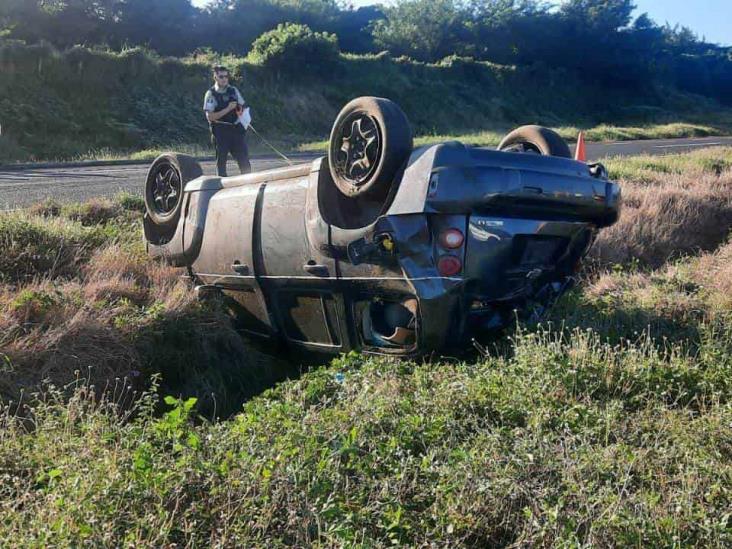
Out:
{"x": 222, "y": 105}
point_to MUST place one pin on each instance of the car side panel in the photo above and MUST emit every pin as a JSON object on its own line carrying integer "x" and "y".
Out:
{"x": 227, "y": 257}
{"x": 299, "y": 281}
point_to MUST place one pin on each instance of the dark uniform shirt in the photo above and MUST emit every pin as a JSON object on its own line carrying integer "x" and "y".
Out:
{"x": 215, "y": 101}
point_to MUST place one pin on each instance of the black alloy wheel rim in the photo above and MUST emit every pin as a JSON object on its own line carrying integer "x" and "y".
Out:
{"x": 523, "y": 147}
{"x": 358, "y": 148}
{"x": 166, "y": 189}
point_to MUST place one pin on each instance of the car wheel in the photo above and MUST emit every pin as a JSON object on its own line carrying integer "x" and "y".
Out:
{"x": 536, "y": 140}
{"x": 164, "y": 186}
{"x": 370, "y": 141}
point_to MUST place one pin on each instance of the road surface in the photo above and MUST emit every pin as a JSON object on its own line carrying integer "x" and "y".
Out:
{"x": 24, "y": 186}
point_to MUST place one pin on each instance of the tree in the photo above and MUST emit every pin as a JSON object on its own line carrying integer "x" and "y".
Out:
{"x": 423, "y": 29}
{"x": 353, "y": 28}
{"x": 167, "y": 26}
{"x": 509, "y": 31}
{"x": 598, "y": 15}
{"x": 69, "y": 22}
{"x": 296, "y": 49}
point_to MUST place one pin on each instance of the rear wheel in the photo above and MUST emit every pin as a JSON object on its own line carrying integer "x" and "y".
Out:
{"x": 164, "y": 186}
{"x": 536, "y": 140}
{"x": 371, "y": 139}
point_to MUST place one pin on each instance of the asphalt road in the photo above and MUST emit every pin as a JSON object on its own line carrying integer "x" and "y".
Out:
{"x": 24, "y": 186}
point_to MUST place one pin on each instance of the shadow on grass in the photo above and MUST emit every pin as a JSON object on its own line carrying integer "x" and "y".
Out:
{"x": 203, "y": 356}
{"x": 615, "y": 323}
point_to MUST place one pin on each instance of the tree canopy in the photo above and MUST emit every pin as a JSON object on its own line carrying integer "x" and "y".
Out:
{"x": 599, "y": 39}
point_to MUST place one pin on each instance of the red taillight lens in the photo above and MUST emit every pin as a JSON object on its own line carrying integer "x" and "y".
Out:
{"x": 449, "y": 265}
{"x": 451, "y": 239}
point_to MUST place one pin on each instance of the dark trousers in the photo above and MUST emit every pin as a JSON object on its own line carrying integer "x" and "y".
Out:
{"x": 230, "y": 139}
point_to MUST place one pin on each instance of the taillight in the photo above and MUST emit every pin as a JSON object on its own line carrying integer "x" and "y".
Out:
{"x": 451, "y": 239}
{"x": 449, "y": 265}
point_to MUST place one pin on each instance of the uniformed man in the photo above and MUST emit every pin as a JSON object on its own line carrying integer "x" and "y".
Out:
{"x": 222, "y": 105}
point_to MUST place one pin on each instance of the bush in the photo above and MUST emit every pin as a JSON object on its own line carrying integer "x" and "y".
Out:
{"x": 296, "y": 48}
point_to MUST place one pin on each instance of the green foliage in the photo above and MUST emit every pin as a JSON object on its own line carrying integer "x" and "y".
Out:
{"x": 423, "y": 29}
{"x": 598, "y": 39}
{"x": 565, "y": 441}
{"x": 99, "y": 103}
{"x": 296, "y": 49}
{"x": 605, "y": 16}
{"x": 34, "y": 306}
{"x": 131, "y": 202}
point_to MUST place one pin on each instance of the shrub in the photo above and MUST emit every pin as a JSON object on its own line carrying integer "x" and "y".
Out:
{"x": 296, "y": 48}
{"x": 48, "y": 208}
{"x": 131, "y": 202}
{"x": 32, "y": 306}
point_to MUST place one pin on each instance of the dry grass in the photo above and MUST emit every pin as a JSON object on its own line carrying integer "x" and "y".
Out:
{"x": 79, "y": 297}
{"x": 57, "y": 329}
{"x": 714, "y": 271}
{"x": 77, "y": 291}
{"x": 43, "y": 247}
{"x": 115, "y": 274}
{"x": 672, "y": 206}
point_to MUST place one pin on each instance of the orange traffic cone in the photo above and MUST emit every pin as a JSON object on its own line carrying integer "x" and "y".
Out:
{"x": 580, "y": 153}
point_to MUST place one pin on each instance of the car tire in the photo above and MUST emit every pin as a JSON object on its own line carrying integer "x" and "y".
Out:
{"x": 166, "y": 179}
{"x": 537, "y": 140}
{"x": 370, "y": 141}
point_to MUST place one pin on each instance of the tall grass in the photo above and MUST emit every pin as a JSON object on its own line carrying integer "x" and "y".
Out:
{"x": 78, "y": 294}
{"x": 672, "y": 206}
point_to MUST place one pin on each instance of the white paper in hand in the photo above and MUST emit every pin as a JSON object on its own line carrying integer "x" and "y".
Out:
{"x": 245, "y": 118}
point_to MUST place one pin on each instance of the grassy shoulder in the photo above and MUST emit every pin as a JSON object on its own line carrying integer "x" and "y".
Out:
{"x": 484, "y": 138}
{"x": 609, "y": 424}
{"x": 79, "y": 299}
{"x": 564, "y": 438}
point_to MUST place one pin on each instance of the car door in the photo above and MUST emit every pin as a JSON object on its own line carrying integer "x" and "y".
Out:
{"x": 228, "y": 257}
{"x": 299, "y": 281}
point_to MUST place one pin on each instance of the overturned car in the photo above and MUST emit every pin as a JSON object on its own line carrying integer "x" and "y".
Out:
{"x": 379, "y": 246}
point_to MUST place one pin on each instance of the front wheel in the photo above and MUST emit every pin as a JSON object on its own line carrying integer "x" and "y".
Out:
{"x": 536, "y": 140}
{"x": 164, "y": 186}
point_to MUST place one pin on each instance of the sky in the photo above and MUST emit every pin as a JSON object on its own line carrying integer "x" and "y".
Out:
{"x": 709, "y": 18}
